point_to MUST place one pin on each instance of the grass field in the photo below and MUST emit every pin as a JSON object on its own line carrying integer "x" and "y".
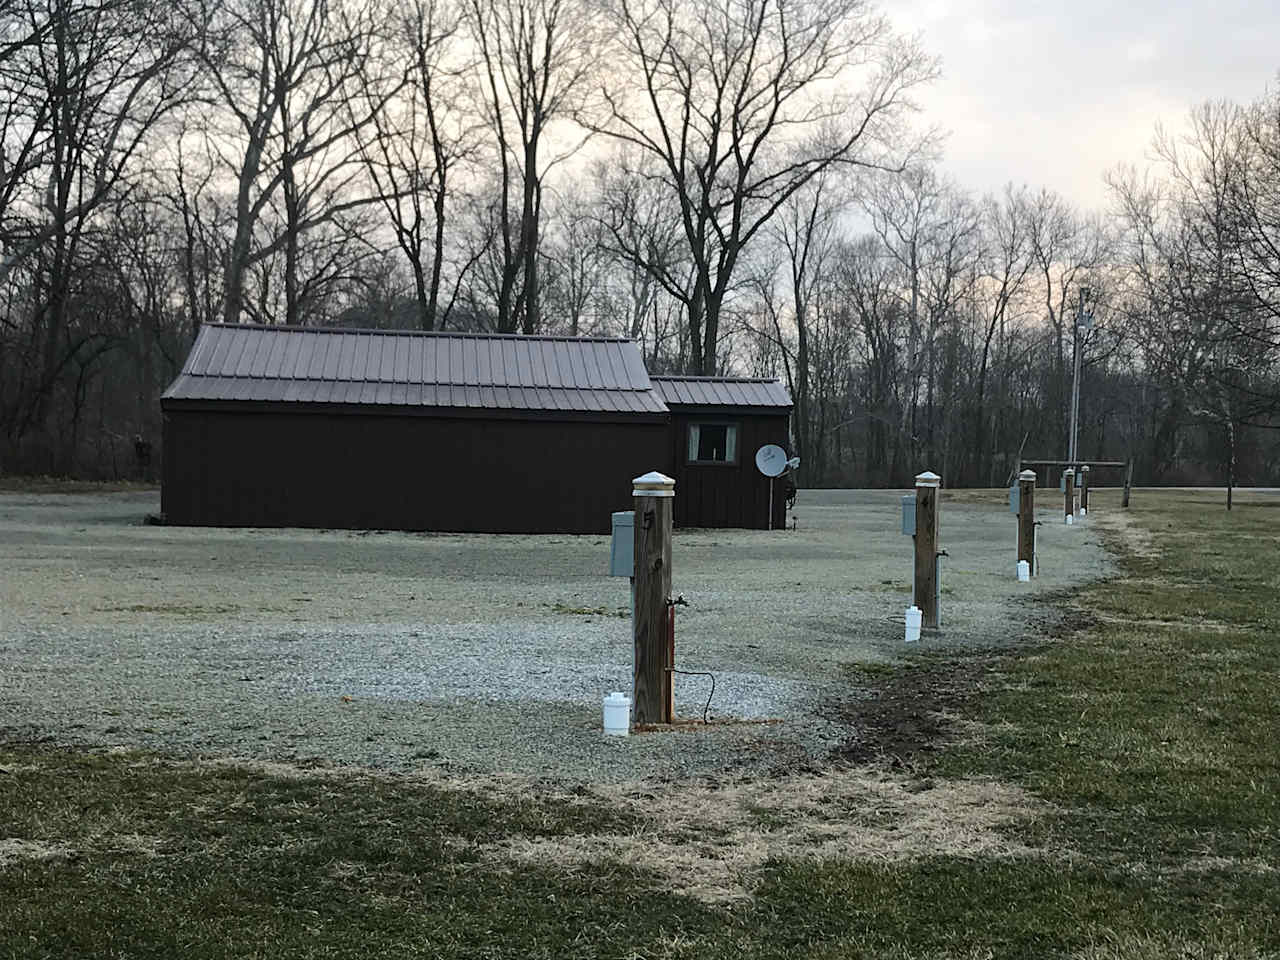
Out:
{"x": 1110, "y": 791}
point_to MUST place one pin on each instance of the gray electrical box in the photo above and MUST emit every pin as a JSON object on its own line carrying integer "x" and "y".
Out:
{"x": 909, "y": 515}
{"x": 622, "y": 550}
{"x": 1062, "y": 483}
{"x": 1015, "y": 498}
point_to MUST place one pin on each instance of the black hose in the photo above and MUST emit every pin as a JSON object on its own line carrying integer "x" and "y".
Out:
{"x": 700, "y": 673}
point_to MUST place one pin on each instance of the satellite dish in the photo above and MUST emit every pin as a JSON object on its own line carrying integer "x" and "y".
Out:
{"x": 771, "y": 460}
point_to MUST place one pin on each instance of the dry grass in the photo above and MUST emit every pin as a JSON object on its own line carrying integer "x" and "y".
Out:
{"x": 1164, "y": 946}
{"x": 14, "y": 850}
{"x": 710, "y": 841}
{"x": 1133, "y": 537}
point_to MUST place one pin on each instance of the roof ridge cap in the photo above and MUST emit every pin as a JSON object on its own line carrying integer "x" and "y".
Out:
{"x": 435, "y": 383}
{"x": 681, "y": 376}
{"x": 476, "y": 334}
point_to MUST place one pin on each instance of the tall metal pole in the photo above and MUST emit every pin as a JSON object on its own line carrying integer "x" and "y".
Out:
{"x": 1075, "y": 379}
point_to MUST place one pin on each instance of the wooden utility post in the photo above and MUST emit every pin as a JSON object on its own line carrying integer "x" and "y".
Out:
{"x": 1128, "y": 481}
{"x": 1069, "y": 484}
{"x": 926, "y": 538}
{"x": 651, "y": 691}
{"x": 1084, "y": 490}
{"x": 1027, "y": 518}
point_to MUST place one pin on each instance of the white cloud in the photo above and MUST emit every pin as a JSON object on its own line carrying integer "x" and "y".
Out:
{"x": 1055, "y": 94}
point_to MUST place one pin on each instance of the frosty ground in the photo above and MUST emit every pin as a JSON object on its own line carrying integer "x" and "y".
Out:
{"x": 477, "y": 653}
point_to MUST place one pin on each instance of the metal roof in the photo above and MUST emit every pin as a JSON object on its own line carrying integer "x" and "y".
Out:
{"x": 278, "y": 364}
{"x": 722, "y": 392}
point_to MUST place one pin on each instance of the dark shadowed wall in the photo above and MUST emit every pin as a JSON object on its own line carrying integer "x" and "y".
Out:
{"x": 726, "y": 495}
{"x": 362, "y": 470}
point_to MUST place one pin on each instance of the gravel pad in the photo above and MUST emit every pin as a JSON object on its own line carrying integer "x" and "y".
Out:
{"x": 475, "y": 652}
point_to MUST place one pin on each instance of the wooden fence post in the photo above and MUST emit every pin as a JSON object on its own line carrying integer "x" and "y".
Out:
{"x": 1128, "y": 481}
{"x": 1069, "y": 482}
{"x": 926, "y": 538}
{"x": 1084, "y": 491}
{"x": 653, "y": 494}
{"x": 1027, "y": 518}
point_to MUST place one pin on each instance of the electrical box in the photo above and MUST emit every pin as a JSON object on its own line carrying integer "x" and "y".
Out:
{"x": 1062, "y": 483}
{"x": 622, "y": 550}
{"x": 1015, "y": 498}
{"x": 909, "y": 515}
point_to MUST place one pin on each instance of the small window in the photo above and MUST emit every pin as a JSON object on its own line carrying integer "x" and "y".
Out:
{"x": 713, "y": 443}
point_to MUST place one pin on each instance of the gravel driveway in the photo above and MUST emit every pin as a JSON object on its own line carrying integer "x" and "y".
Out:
{"x": 472, "y": 652}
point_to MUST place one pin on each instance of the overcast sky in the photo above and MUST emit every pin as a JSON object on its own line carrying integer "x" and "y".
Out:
{"x": 1055, "y": 94}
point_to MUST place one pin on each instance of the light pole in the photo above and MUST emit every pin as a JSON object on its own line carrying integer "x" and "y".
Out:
{"x": 1083, "y": 321}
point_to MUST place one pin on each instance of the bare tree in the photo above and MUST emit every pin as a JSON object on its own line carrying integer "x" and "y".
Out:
{"x": 1255, "y": 197}
{"x": 576, "y": 262}
{"x": 641, "y": 227}
{"x": 743, "y": 102}
{"x": 283, "y": 72}
{"x": 536, "y": 60}
{"x": 910, "y": 215}
{"x": 868, "y": 284}
{"x": 417, "y": 142}
{"x": 1005, "y": 267}
{"x": 90, "y": 85}
{"x": 1068, "y": 248}
{"x": 805, "y": 231}
{"x": 1183, "y": 243}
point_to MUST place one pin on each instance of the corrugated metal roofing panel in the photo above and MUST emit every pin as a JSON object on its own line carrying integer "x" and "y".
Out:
{"x": 525, "y": 374}
{"x": 578, "y": 372}
{"x": 503, "y": 372}
{"x": 542, "y": 367}
{"x": 240, "y": 355}
{"x": 255, "y": 364}
{"x": 508, "y": 374}
{"x": 722, "y": 392}
{"x": 484, "y": 362}
{"x": 382, "y": 360}
{"x": 400, "y": 368}
{"x": 275, "y": 357}
{"x": 306, "y": 347}
{"x": 217, "y": 354}
{"x": 198, "y": 358}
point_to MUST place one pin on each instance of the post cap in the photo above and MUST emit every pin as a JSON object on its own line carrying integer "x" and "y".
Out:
{"x": 1027, "y": 475}
{"x": 928, "y": 479}
{"x": 1070, "y": 470}
{"x": 1085, "y": 468}
{"x": 653, "y": 484}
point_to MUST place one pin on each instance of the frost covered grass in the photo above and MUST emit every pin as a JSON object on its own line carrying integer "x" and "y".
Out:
{"x": 1099, "y": 785}
{"x": 485, "y": 653}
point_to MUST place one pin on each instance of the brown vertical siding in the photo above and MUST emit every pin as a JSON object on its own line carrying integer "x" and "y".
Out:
{"x": 371, "y": 471}
{"x": 727, "y": 496}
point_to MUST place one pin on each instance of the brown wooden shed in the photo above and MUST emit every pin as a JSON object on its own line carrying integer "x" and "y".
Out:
{"x": 274, "y": 426}
{"x": 717, "y": 425}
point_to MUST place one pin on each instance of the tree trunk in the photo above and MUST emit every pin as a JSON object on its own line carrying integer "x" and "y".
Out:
{"x": 532, "y": 320}
{"x": 1231, "y": 459}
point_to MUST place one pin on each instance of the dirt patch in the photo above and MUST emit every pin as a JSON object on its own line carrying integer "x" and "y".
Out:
{"x": 904, "y": 715}
{"x": 710, "y": 840}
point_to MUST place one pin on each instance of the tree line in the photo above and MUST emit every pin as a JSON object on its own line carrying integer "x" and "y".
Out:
{"x": 743, "y": 187}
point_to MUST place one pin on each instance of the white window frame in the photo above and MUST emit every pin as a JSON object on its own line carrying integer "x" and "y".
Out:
{"x": 730, "y": 443}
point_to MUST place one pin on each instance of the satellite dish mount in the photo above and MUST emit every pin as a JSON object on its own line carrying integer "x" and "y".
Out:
{"x": 771, "y": 460}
